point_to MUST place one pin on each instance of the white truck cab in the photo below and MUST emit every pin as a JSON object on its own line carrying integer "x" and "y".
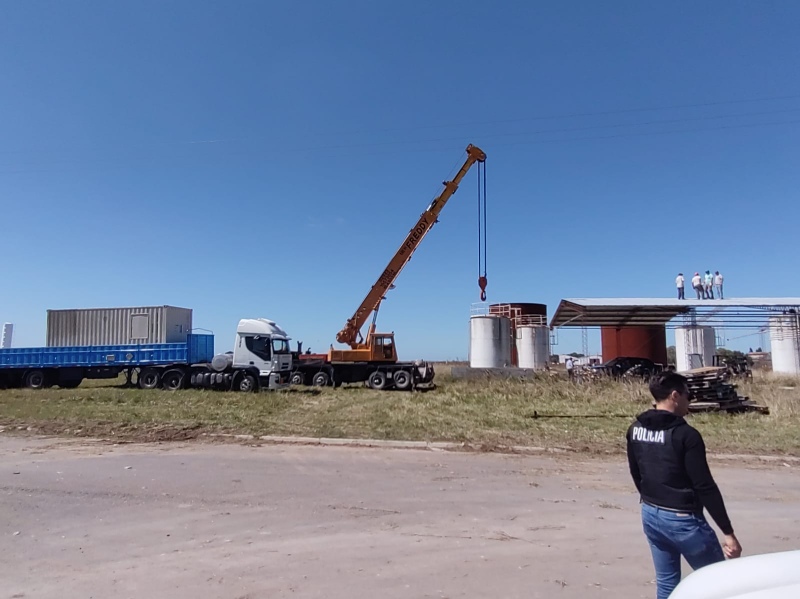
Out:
{"x": 262, "y": 346}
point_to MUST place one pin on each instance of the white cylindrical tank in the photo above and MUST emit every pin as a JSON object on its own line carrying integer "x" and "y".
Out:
{"x": 533, "y": 346}
{"x": 489, "y": 341}
{"x": 8, "y": 333}
{"x": 695, "y": 347}
{"x": 785, "y": 342}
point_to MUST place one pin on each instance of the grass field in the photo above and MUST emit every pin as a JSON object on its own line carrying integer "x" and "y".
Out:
{"x": 491, "y": 413}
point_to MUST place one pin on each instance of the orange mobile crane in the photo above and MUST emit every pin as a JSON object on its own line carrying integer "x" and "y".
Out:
{"x": 374, "y": 360}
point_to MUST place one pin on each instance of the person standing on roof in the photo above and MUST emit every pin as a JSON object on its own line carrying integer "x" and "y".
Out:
{"x": 718, "y": 278}
{"x": 708, "y": 285}
{"x": 697, "y": 285}
{"x": 667, "y": 461}
{"x": 680, "y": 282}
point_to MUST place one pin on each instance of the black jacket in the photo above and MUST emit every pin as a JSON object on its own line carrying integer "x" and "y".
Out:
{"x": 667, "y": 459}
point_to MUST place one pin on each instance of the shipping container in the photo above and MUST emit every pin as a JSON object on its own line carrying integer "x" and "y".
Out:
{"x": 118, "y": 326}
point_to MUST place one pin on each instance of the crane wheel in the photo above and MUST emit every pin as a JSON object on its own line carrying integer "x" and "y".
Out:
{"x": 321, "y": 379}
{"x": 297, "y": 378}
{"x": 402, "y": 379}
{"x": 377, "y": 380}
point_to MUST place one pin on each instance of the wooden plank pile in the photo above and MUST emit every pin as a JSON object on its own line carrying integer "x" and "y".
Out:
{"x": 711, "y": 391}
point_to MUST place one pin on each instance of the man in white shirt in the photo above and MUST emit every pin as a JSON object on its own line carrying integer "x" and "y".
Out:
{"x": 679, "y": 282}
{"x": 570, "y": 364}
{"x": 697, "y": 285}
{"x": 718, "y": 284}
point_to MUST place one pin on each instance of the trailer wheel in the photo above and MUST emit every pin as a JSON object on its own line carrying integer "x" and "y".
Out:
{"x": 297, "y": 378}
{"x": 172, "y": 380}
{"x": 321, "y": 379}
{"x": 247, "y": 384}
{"x": 402, "y": 379}
{"x": 149, "y": 379}
{"x": 377, "y": 380}
{"x": 35, "y": 379}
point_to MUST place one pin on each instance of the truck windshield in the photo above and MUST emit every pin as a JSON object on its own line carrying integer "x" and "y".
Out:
{"x": 280, "y": 346}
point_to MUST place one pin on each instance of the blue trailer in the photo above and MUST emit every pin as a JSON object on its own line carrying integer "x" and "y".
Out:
{"x": 170, "y": 366}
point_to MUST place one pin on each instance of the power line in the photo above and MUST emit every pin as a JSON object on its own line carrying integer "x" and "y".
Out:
{"x": 201, "y": 142}
{"x": 580, "y": 114}
{"x": 647, "y": 133}
{"x": 501, "y": 144}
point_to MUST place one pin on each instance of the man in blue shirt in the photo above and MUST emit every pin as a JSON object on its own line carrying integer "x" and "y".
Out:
{"x": 708, "y": 285}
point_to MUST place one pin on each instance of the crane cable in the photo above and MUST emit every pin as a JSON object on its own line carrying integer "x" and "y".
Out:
{"x": 482, "y": 230}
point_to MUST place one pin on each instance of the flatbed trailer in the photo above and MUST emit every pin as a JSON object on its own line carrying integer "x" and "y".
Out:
{"x": 170, "y": 366}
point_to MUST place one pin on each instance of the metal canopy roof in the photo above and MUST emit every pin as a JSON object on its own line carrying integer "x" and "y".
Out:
{"x": 617, "y": 312}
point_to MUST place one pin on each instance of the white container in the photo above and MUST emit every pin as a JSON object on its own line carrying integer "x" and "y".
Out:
{"x": 8, "y": 333}
{"x": 785, "y": 342}
{"x": 533, "y": 346}
{"x": 489, "y": 342}
{"x": 694, "y": 347}
{"x": 118, "y": 326}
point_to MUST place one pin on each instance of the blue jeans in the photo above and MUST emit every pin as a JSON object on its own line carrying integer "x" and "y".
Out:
{"x": 672, "y": 534}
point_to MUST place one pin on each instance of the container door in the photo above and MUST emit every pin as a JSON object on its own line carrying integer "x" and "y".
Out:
{"x": 140, "y": 326}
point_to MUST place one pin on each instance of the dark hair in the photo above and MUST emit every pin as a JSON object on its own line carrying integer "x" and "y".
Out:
{"x": 662, "y": 385}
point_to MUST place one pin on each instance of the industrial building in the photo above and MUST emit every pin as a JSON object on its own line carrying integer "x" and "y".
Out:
{"x": 637, "y": 327}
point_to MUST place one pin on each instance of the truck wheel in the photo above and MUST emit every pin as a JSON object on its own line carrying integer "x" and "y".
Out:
{"x": 321, "y": 379}
{"x": 402, "y": 379}
{"x": 247, "y": 384}
{"x": 35, "y": 379}
{"x": 297, "y": 378}
{"x": 149, "y": 379}
{"x": 377, "y": 380}
{"x": 172, "y": 380}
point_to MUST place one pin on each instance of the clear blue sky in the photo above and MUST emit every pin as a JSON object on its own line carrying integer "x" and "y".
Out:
{"x": 266, "y": 159}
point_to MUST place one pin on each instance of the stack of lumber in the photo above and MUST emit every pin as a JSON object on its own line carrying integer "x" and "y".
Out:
{"x": 711, "y": 391}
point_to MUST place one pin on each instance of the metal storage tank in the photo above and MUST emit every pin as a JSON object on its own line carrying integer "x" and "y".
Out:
{"x": 513, "y": 310}
{"x": 784, "y": 338}
{"x": 533, "y": 346}
{"x": 695, "y": 347}
{"x": 117, "y": 326}
{"x": 521, "y": 314}
{"x": 635, "y": 341}
{"x": 489, "y": 342}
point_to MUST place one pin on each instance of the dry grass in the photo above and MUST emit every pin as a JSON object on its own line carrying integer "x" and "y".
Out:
{"x": 539, "y": 412}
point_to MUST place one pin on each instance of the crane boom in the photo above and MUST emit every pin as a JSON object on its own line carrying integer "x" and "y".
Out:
{"x": 351, "y": 332}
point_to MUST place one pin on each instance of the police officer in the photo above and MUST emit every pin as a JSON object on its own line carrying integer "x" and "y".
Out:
{"x": 667, "y": 460}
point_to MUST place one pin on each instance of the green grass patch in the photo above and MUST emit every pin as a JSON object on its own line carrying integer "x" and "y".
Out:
{"x": 545, "y": 411}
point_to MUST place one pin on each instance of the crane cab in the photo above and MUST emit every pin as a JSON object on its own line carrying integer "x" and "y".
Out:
{"x": 379, "y": 347}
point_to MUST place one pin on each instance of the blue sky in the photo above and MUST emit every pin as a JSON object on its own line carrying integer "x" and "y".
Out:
{"x": 266, "y": 159}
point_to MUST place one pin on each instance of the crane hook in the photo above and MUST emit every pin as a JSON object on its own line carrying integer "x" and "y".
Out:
{"x": 482, "y": 284}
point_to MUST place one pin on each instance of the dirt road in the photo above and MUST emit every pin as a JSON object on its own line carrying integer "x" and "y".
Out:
{"x": 83, "y": 519}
